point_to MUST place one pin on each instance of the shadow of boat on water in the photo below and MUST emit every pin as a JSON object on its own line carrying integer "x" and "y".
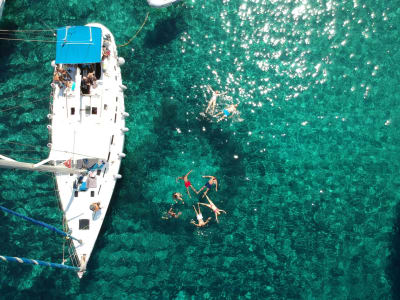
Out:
{"x": 165, "y": 31}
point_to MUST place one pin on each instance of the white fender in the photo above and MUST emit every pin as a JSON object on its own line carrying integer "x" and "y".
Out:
{"x": 118, "y": 176}
{"x": 123, "y": 87}
{"x": 125, "y": 114}
{"x": 125, "y": 129}
{"x": 49, "y": 127}
{"x": 122, "y": 155}
{"x": 121, "y": 61}
{"x": 53, "y": 63}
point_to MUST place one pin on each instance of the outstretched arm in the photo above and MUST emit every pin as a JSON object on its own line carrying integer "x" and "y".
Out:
{"x": 205, "y": 204}
{"x": 188, "y": 173}
{"x": 208, "y": 220}
{"x": 209, "y": 200}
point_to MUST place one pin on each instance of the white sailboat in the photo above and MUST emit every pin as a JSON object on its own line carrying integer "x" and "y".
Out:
{"x": 2, "y": 2}
{"x": 87, "y": 128}
{"x": 161, "y": 3}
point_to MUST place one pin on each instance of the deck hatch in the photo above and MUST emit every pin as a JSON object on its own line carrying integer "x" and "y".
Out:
{"x": 83, "y": 224}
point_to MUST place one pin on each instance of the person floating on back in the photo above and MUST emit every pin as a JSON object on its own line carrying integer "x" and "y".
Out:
{"x": 215, "y": 209}
{"x": 178, "y": 196}
{"x": 213, "y": 101}
{"x": 171, "y": 214}
{"x": 187, "y": 183}
{"x": 229, "y": 111}
{"x": 208, "y": 185}
{"x": 199, "y": 217}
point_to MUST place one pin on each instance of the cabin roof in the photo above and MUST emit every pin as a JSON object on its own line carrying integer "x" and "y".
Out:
{"x": 78, "y": 45}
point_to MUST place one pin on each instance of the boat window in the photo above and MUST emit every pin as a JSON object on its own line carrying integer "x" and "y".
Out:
{"x": 91, "y": 193}
{"x": 98, "y": 193}
{"x": 105, "y": 170}
{"x": 76, "y": 193}
{"x": 83, "y": 224}
{"x": 87, "y": 109}
{"x": 94, "y": 110}
{"x": 115, "y": 118}
{"x": 98, "y": 172}
{"x": 112, "y": 139}
{"x": 72, "y": 110}
{"x": 116, "y": 99}
{"x": 108, "y": 158}
{"x": 105, "y": 106}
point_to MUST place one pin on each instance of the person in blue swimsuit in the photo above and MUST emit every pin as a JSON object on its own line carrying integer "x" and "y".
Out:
{"x": 208, "y": 185}
{"x": 229, "y": 111}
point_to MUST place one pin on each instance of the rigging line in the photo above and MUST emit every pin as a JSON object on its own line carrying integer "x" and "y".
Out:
{"x": 53, "y": 30}
{"x": 43, "y": 147}
{"x": 20, "y": 106}
{"x": 137, "y": 32}
{"x": 43, "y": 41}
{"x": 17, "y": 143}
{"x": 26, "y": 30}
{"x": 23, "y": 91}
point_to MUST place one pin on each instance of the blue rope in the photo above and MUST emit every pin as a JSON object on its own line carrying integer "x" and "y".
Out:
{"x": 39, "y": 223}
{"x": 37, "y": 262}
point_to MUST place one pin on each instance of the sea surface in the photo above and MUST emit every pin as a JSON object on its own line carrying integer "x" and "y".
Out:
{"x": 308, "y": 170}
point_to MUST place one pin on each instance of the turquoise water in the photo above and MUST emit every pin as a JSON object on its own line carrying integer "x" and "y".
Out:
{"x": 308, "y": 171}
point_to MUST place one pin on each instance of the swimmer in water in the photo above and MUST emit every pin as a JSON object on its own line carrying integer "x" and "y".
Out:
{"x": 199, "y": 217}
{"x": 171, "y": 214}
{"x": 208, "y": 185}
{"x": 215, "y": 209}
{"x": 229, "y": 111}
{"x": 187, "y": 183}
{"x": 213, "y": 101}
{"x": 177, "y": 196}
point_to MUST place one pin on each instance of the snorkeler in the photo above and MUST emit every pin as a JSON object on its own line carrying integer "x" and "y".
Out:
{"x": 177, "y": 196}
{"x": 230, "y": 110}
{"x": 171, "y": 214}
{"x": 199, "y": 217}
{"x": 215, "y": 209}
{"x": 213, "y": 101}
{"x": 187, "y": 183}
{"x": 208, "y": 185}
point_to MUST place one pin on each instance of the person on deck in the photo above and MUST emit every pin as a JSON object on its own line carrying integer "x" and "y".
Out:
{"x": 229, "y": 111}
{"x": 187, "y": 183}
{"x": 95, "y": 206}
{"x": 212, "y": 206}
{"x": 213, "y": 101}
{"x": 199, "y": 217}
{"x": 208, "y": 185}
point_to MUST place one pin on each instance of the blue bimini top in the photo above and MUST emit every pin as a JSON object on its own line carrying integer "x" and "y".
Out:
{"x": 78, "y": 45}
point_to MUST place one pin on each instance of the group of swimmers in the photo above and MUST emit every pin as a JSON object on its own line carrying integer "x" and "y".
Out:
{"x": 226, "y": 112}
{"x": 212, "y": 180}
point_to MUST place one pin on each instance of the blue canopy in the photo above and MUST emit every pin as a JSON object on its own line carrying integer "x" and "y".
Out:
{"x": 78, "y": 45}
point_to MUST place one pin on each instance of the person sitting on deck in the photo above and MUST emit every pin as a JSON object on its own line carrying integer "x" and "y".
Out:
{"x": 85, "y": 85}
{"x": 95, "y": 206}
{"x": 106, "y": 53}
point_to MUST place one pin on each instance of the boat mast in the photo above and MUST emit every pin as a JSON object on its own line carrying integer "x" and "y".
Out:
{"x": 9, "y": 163}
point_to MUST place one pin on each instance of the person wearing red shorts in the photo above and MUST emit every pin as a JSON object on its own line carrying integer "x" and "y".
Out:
{"x": 187, "y": 183}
